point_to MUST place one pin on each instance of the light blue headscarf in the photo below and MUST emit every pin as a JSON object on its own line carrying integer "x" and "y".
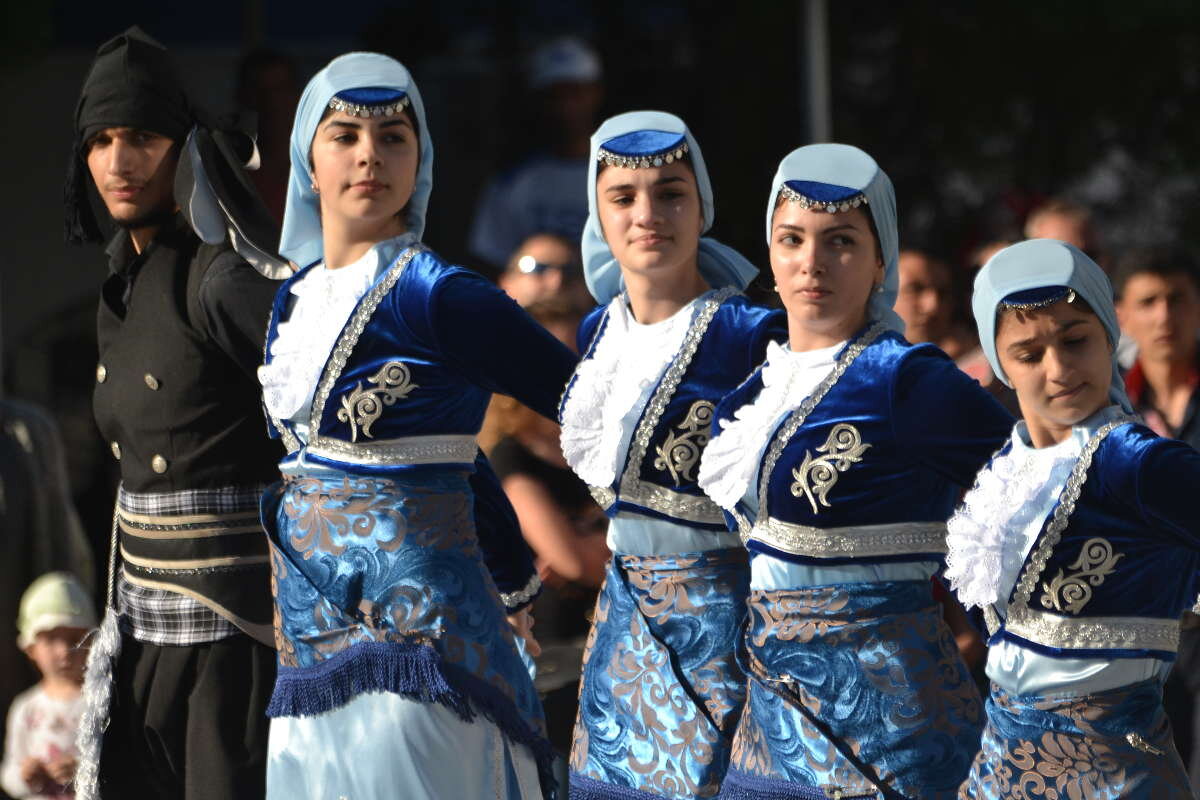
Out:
{"x": 837, "y": 170}
{"x": 301, "y": 238}
{"x": 719, "y": 264}
{"x": 1045, "y": 264}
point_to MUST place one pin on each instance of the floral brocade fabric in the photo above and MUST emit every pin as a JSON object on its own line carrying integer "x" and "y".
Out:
{"x": 379, "y": 586}
{"x": 661, "y": 691}
{"x": 853, "y": 686}
{"x": 1104, "y": 746}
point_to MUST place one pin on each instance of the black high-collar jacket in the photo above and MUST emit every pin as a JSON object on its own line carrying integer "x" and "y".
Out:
{"x": 181, "y": 329}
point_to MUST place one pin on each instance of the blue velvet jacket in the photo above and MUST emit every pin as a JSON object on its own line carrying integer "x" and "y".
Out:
{"x": 409, "y": 380}
{"x": 727, "y": 339}
{"x": 1118, "y": 559}
{"x": 874, "y": 469}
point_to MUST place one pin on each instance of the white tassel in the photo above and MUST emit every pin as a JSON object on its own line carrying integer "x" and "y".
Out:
{"x": 97, "y": 696}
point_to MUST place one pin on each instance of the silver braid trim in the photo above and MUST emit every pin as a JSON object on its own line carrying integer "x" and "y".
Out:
{"x": 513, "y": 599}
{"x": 798, "y": 417}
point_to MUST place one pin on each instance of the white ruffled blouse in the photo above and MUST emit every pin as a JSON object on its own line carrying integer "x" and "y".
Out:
{"x": 731, "y": 460}
{"x": 991, "y": 535}
{"x": 612, "y": 388}
{"x": 324, "y": 300}
{"x": 995, "y": 526}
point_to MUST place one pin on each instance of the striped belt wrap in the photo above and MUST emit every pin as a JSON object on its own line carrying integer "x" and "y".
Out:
{"x": 218, "y": 559}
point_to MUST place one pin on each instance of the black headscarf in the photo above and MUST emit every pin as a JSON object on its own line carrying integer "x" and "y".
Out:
{"x": 132, "y": 83}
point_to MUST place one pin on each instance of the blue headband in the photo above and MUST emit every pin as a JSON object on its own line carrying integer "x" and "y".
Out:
{"x": 835, "y": 178}
{"x": 361, "y": 82}
{"x": 643, "y": 138}
{"x": 1037, "y": 273}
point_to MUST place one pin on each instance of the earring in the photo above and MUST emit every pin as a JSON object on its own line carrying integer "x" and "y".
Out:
{"x": 315, "y": 189}
{"x": 775, "y": 289}
{"x": 879, "y": 288}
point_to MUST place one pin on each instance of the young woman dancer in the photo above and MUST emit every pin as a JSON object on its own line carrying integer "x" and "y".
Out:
{"x": 1081, "y": 544}
{"x": 397, "y": 670}
{"x": 839, "y": 461}
{"x": 660, "y": 693}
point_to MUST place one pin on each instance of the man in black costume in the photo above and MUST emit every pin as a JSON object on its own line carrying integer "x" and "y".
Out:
{"x": 183, "y": 666}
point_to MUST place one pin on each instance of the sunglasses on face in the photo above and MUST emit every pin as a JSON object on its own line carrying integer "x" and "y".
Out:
{"x": 528, "y": 265}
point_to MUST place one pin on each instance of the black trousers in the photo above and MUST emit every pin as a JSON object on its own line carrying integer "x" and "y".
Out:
{"x": 188, "y": 722}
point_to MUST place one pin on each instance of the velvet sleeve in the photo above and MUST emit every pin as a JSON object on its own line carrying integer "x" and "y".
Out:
{"x": 1167, "y": 477}
{"x": 495, "y": 344}
{"x": 771, "y": 328}
{"x": 587, "y": 329}
{"x": 507, "y": 556}
{"x": 944, "y": 418}
{"x": 235, "y": 304}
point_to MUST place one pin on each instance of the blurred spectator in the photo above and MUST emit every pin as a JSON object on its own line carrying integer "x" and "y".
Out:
{"x": 926, "y": 302}
{"x": 545, "y": 266}
{"x": 1158, "y": 307}
{"x": 39, "y": 751}
{"x": 564, "y": 526}
{"x": 268, "y": 84}
{"x": 979, "y": 256}
{"x": 39, "y": 531}
{"x": 1062, "y": 219}
{"x": 546, "y": 193}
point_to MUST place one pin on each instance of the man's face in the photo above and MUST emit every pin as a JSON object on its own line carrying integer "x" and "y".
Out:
{"x": 1162, "y": 314}
{"x": 134, "y": 172}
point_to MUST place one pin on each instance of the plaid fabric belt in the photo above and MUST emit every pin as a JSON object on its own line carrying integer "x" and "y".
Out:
{"x": 194, "y": 565}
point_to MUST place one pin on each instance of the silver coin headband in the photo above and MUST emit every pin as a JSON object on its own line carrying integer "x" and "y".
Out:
{"x": 790, "y": 194}
{"x": 359, "y": 110}
{"x": 635, "y": 162}
{"x": 1036, "y": 304}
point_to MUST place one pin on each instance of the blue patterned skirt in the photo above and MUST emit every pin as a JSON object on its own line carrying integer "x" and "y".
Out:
{"x": 661, "y": 690}
{"x": 854, "y": 688}
{"x": 379, "y": 586}
{"x": 1102, "y": 746}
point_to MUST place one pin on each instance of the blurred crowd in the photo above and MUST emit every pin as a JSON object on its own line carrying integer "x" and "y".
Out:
{"x": 525, "y": 234}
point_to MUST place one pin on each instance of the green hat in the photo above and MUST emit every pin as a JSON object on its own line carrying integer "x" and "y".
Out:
{"x": 55, "y": 600}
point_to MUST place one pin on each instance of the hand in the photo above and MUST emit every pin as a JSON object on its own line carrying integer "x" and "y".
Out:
{"x": 33, "y": 772}
{"x": 62, "y": 770}
{"x": 522, "y": 625}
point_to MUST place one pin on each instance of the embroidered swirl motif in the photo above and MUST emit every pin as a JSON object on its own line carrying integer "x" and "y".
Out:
{"x": 348, "y": 340}
{"x": 1057, "y": 748}
{"x": 816, "y": 476}
{"x": 1071, "y": 592}
{"x": 788, "y": 429}
{"x": 1050, "y": 537}
{"x": 644, "y": 493}
{"x": 679, "y": 454}
{"x": 661, "y": 691}
{"x": 361, "y": 407}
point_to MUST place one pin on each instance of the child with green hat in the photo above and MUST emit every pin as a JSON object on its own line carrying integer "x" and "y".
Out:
{"x": 39, "y": 749}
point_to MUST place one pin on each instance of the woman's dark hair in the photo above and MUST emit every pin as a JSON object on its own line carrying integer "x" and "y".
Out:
{"x": 407, "y": 113}
{"x": 686, "y": 158}
{"x": 1076, "y": 302}
{"x": 866, "y": 211}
